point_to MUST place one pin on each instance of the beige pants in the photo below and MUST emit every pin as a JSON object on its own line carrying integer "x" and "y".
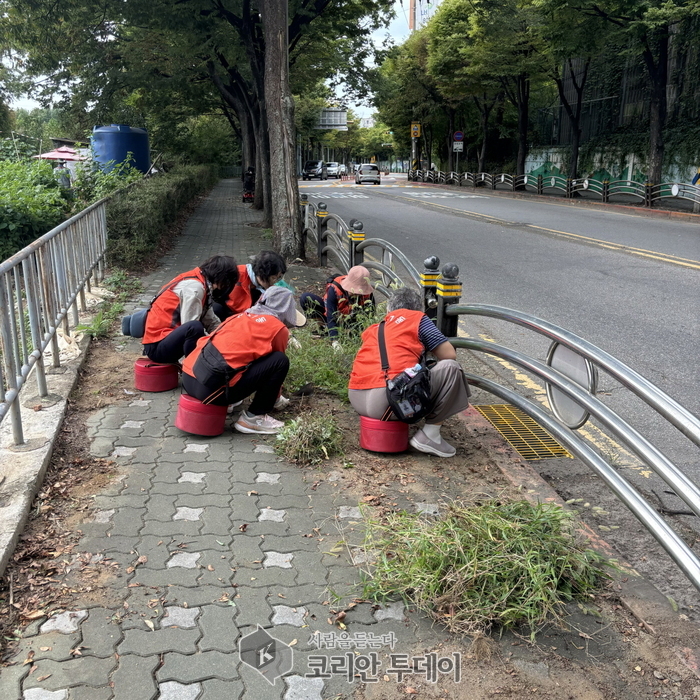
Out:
{"x": 449, "y": 393}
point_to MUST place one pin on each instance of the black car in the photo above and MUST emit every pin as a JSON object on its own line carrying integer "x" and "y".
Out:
{"x": 314, "y": 168}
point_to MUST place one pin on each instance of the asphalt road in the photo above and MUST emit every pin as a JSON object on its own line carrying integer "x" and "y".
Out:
{"x": 627, "y": 283}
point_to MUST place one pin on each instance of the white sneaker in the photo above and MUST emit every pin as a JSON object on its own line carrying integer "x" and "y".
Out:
{"x": 248, "y": 423}
{"x": 233, "y": 406}
{"x": 282, "y": 402}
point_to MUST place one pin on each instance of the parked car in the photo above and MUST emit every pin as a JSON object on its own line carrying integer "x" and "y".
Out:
{"x": 368, "y": 172}
{"x": 333, "y": 169}
{"x": 314, "y": 168}
{"x": 342, "y": 169}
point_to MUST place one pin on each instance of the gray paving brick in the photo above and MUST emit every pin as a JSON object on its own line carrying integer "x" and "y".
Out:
{"x": 217, "y": 521}
{"x": 159, "y": 641}
{"x": 87, "y": 670}
{"x": 160, "y": 507}
{"x": 165, "y": 577}
{"x": 242, "y": 472}
{"x": 285, "y": 501}
{"x": 199, "y": 596}
{"x": 167, "y": 473}
{"x": 102, "y": 446}
{"x": 220, "y": 500}
{"x": 138, "y": 482}
{"x": 134, "y": 678}
{"x": 57, "y": 647}
{"x": 220, "y": 451}
{"x": 290, "y": 544}
{"x": 265, "y": 577}
{"x": 209, "y": 466}
{"x": 127, "y": 501}
{"x": 127, "y": 522}
{"x": 85, "y": 692}
{"x": 185, "y": 458}
{"x": 173, "y": 528}
{"x": 176, "y": 489}
{"x": 100, "y": 634}
{"x": 246, "y": 551}
{"x": 221, "y": 690}
{"x": 198, "y": 667}
{"x": 255, "y": 606}
{"x": 257, "y": 688}
{"x": 219, "y": 627}
{"x": 11, "y": 680}
{"x": 126, "y": 441}
{"x": 245, "y": 508}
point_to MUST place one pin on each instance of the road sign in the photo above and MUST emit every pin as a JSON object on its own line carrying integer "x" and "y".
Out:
{"x": 415, "y": 130}
{"x": 458, "y": 136}
{"x": 457, "y": 146}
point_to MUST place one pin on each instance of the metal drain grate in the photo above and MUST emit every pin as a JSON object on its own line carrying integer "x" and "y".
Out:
{"x": 526, "y": 436}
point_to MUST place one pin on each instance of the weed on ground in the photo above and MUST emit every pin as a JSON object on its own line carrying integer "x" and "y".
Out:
{"x": 483, "y": 564}
{"x": 310, "y": 439}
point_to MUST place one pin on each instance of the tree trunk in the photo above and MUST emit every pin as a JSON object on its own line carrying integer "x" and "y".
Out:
{"x": 574, "y": 113}
{"x": 280, "y": 129}
{"x": 523, "y": 105}
{"x": 658, "y": 75}
{"x": 451, "y": 131}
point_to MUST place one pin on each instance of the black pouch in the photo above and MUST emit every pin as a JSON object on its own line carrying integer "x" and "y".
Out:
{"x": 408, "y": 396}
{"x": 212, "y": 370}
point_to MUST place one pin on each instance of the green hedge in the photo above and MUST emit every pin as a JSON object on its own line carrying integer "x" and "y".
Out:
{"x": 31, "y": 203}
{"x": 138, "y": 218}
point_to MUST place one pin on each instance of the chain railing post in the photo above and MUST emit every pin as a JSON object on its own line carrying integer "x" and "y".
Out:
{"x": 648, "y": 187}
{"x": 606, "y": 191}
{"x": 540, "y": 184}
{"x": 321, "y": 226}
{"x": 11, "y": 362}
{"x": 304, "y": 216}
{"x": 449, "y": 291}
{"x": 428, "y": 280}
{"x": 569, "y": 188}
{"x": 356, "y": 235}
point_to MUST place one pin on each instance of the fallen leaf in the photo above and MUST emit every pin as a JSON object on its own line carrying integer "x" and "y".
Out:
{"x": 43, "y": 678}
{"x": 210, "y": 567}
{"x": 243, "y": 527}
{"x": 150, "y": 625}
{"x": 411, "y": 691}
{"x": 250, "y": 493}
{"x": 29, "y": 659}
{"x": 292, "y": 643}
{"x": 34, "y": 615}
{"x": 45, "y": 648}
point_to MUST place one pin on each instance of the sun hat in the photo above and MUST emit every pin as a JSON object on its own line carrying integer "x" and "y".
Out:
{"x": 279, "y": 301}
{"x": 357, "y": 281}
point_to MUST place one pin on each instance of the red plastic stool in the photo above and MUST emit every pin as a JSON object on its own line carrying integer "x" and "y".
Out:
{"x": 152, "y": 376}
{"x": 383, "y": 435}
{"x": 198, "y": 418}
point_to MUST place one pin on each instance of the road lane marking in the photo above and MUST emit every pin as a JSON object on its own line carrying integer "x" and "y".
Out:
{"x": 641, "y": 252}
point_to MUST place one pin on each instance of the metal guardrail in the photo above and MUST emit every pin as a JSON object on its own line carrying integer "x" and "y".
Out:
{"x": 41, "y": 287}
{"x": 664, "y": 405}
{"x": 645, "y": 193}
{"x": 442, "y": 293}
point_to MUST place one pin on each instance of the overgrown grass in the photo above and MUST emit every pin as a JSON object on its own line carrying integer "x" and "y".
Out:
{"x": 317, "y": 363}
{"x": 309, "y": 439}
{"x": 483, "y": 564}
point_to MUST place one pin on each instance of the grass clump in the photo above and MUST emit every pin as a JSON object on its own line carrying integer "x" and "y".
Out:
{"x": 309, "y": 439}
{"x": 478, "y": 565}
{"x": 326, "y": 368}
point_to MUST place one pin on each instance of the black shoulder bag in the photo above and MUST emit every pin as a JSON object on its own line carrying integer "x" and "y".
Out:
{"x": 408, "y": 394}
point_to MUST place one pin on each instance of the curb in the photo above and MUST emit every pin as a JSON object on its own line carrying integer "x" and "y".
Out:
{"x": 553, "y": 199}
{"x": 18, "y": 493}
{"x": 638, "y": 595}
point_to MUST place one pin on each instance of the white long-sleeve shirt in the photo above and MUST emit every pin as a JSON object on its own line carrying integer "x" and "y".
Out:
{"x": 191, "y": 293}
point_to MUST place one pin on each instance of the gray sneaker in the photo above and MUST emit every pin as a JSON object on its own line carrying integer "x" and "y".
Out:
{"x": 249, "y": 423}
{"x": 421, "y": 442}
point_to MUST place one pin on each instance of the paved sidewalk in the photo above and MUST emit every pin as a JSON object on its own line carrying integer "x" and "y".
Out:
{"x": 209, "y": 539}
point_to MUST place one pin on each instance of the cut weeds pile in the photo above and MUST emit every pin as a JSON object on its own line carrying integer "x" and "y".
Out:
{"x": 482, "y": 564}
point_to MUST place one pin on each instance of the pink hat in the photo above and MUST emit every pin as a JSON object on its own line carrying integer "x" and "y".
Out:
{"x": 357, "y": 281}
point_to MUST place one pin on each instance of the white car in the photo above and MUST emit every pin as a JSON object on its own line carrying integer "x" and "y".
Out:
{"x": 333, "y": 169}
{"x": 368, "y": 172}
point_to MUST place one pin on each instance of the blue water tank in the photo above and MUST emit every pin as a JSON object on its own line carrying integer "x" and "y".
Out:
{"x": 116, "y": 141}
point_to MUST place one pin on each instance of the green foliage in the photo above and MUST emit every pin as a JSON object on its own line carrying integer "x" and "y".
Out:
{"x": 316, "y": 363}
{"x": 309, "y": 439}
{"x": 138, "y": 218}
{"x": 31, "y": 203}
{"x": 92, "y": 183}
{"x": 478, "y": 565}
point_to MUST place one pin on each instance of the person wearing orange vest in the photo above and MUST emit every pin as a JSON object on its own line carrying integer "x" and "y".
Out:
{"x": 409, "y": 334}
{"x": 181, "y": 313}
{"x": 245, "y": 355}
{"x": 267, "y": 269}
{"x": 345, "y": 294}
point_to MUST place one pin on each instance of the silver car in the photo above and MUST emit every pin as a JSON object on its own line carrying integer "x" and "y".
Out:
{"x": 333, "y": 169}
{"x": 367, "y": 172}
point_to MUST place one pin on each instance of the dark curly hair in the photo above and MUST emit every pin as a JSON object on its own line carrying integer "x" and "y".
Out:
{"x": 268, "y": 264}
{"x": 221, "y": 270}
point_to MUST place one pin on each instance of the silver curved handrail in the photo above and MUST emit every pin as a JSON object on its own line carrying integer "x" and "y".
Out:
{"x": 400, "y": 255}
{"x": 676, "y": 548}
{"x": 648, "y": 453}
{"x": 669, "y": 408}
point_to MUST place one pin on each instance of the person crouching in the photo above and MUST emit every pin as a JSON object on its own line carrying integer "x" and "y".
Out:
{"x": 246, "y": 355}
{"x": 409, "y": 334}
{"x": 181, "y": 313}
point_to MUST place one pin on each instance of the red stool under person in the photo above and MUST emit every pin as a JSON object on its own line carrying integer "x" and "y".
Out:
{"x": 153, "y": 376}
{"x": 383, "y": 435}
{"x": 197, "y": 418}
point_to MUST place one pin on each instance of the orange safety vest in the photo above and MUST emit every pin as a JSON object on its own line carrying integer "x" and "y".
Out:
{"x": 241, "y": 297}
{"x": 346, "y": 300}
{"x": 164, "y": 314}
{"x": 240, "y": 339}
{"x": 404, "y": 349}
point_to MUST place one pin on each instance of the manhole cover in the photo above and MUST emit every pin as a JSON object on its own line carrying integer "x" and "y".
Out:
{"x": 527, "y": 437}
